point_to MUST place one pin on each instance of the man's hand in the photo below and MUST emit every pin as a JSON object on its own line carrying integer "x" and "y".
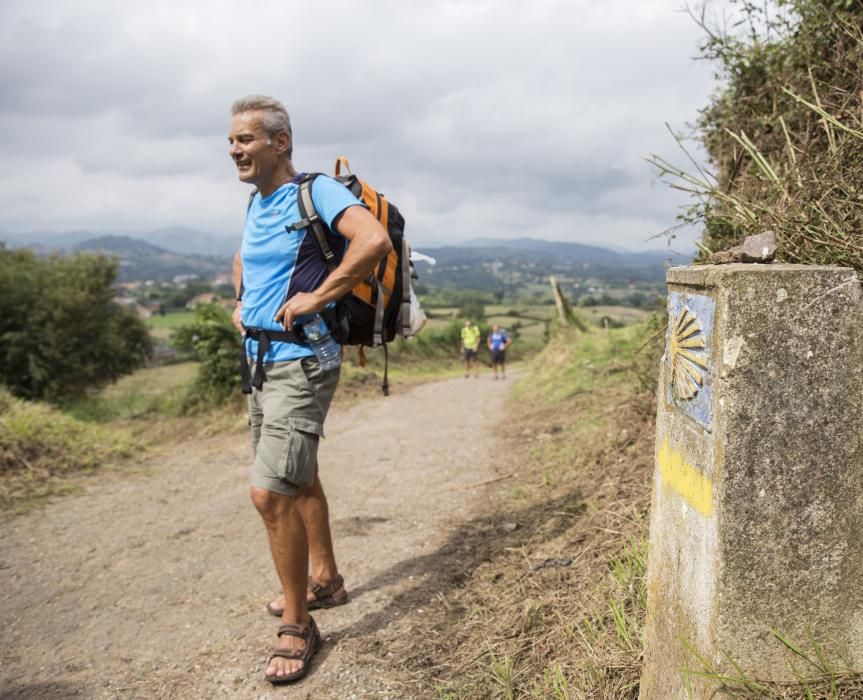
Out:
{"x": 300, "y": 304}
{"x": 235, "y": 318}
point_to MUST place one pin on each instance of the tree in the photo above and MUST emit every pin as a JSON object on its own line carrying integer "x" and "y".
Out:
{"x": 61, "y": 333}
{"x": 472, "y": 309}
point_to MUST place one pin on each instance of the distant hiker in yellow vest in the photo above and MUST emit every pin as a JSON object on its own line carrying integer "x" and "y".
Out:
{"x": 470, "y": 335}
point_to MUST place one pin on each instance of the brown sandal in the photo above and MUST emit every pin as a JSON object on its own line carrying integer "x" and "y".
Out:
{"x": 328, "y": 596}
{"x": 310, "y": 636}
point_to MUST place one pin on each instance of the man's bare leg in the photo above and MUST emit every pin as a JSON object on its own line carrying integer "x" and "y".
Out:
{"x": 289, "y": 547}
{"x": 313, "y": 510}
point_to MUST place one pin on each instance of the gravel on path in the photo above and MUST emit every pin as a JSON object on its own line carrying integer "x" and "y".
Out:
{"x": 153, "y": 585}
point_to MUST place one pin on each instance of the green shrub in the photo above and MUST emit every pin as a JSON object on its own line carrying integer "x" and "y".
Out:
{"x": 214, "y": 341}
{"x": 61, "y": 334}
{"x": 784, "y": 134}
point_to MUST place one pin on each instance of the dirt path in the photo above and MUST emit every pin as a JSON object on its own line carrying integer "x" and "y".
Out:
{"x": 153, "y": 585}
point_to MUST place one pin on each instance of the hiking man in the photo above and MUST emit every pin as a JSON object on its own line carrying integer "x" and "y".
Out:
{"x": 498, "y": 342}
{"x": 280, "y": 277}
{"x": 470, "y": 335}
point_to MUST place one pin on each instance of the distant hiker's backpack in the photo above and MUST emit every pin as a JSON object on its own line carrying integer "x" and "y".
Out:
{"x": 382, "y": 306}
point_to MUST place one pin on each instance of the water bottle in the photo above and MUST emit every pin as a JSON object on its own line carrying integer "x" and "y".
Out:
{"x": 327, "y": 350}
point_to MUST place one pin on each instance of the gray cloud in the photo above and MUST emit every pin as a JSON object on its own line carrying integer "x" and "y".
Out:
{"x": 479, "y": 118}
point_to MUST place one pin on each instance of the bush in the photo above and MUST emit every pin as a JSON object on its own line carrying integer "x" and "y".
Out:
{"x": 214, "y": 341}
{"x": 474, "y": 310}
{"x": 784, "y": 135}
{"x": 61, "y": 334}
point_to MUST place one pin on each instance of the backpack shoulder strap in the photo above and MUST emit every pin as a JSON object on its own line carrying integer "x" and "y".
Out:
{"x": 311, "y": 220}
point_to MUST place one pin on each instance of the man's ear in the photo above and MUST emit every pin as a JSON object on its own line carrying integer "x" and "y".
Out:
{"x": 283, "y": 143}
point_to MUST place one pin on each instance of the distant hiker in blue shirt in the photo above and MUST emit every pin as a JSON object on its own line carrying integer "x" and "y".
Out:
{"x": 279, "y": 275}
{"x": 498, "y": 342}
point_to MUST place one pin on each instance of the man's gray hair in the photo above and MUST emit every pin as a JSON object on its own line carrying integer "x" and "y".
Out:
{"x": 274, "y": 116}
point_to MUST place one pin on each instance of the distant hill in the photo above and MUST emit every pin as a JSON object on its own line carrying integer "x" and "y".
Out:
{"x": 44, "y": 241}
{"x": 491, "y": 265}
{"x": 484, "y": 264}
{"x": 181, "y": 240}
{"x": 141, "y": 261}
{"x": 579, "y": 252}
{"x": 186, "y": 240}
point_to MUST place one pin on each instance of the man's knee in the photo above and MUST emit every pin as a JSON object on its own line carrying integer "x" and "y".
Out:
{"x": 313, "y": 491}
{"x": 272, "y": 506}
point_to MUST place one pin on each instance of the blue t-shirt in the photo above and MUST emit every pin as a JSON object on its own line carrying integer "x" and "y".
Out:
{"x": 278, "y": 263}
{"x": 498, "y": 339}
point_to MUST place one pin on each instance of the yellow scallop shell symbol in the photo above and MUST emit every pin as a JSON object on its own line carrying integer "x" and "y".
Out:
{"x": 687, "y": 351}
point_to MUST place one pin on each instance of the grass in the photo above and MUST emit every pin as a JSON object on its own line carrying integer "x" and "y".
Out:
{"x": 544, "y": 594}
{"x": 816, "y": 677}
{"x": 161, "y": 327}
{"x": 150, "y": 391}
{"x": 531, "y": 320}
{"x": 546, "y": 598}
{"x": 45, "y": 450}
{"x": 581, "y": 363}
{"x": 40, "y": 447}
{"x": 626, "y": 315}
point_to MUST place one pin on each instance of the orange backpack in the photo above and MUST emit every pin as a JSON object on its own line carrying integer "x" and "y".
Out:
{"x": 379, "y": 307}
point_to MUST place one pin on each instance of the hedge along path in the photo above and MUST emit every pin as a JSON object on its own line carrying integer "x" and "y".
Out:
{"x": 153, "y": 585}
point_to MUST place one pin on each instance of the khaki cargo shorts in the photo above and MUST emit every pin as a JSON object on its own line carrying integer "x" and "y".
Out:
{"x": 286, "y": 416}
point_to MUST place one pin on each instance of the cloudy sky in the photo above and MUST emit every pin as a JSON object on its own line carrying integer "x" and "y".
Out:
{"x": 478, "y": 118}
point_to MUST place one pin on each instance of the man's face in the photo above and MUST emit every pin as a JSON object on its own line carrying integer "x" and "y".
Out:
{"x": 467, "y": 324}
{"x": 253, "y": 152}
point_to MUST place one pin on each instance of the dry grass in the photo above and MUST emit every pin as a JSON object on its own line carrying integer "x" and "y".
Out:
{"x": 41, "y": 449}
{"x": 542, "y": 596}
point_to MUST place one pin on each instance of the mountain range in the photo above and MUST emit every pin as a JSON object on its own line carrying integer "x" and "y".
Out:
{"x": 479, "y": 264}
{"x": 178, "y": 239}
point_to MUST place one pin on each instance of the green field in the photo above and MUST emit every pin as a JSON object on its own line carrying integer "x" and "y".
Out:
{"x": 531, "y": 319}
{"x": 626, "y": 315}
{"x": 152, "y": 380}
{"x": 161, "y": 327}
{"x": 148, "y": 391}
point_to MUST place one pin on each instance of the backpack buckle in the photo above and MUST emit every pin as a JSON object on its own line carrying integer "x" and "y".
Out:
{"x": 304, "y": 223}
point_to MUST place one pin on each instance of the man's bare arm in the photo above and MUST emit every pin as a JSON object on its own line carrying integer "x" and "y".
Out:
{"x": 237, "y": 274}
{"x": 237, "y": 280}
{"x": 369, "y": 243}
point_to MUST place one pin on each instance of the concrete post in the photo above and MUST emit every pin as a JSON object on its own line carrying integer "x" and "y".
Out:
{"x": 757, "y": 512}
